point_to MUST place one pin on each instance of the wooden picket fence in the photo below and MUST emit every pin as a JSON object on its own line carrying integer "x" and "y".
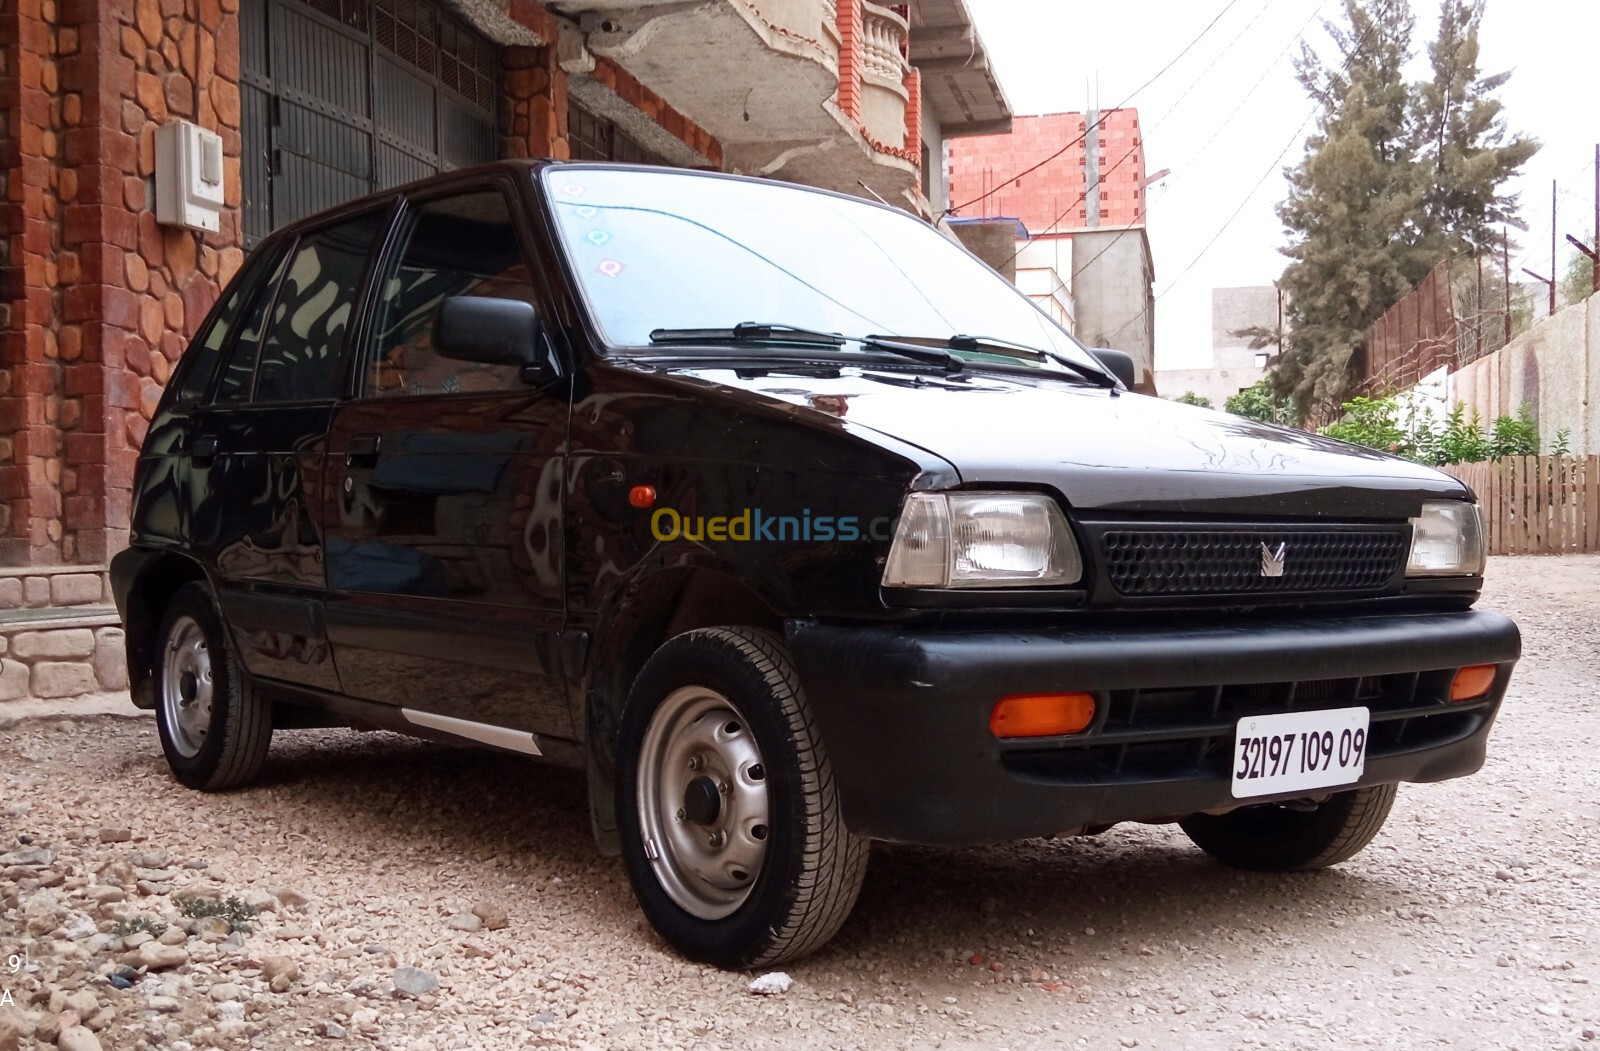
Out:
{"x": 1537, "y": 505}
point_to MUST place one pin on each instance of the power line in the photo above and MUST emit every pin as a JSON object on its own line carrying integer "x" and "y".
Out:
{"x": 1584, "y": 167}
{"x": 1080, "y": 139}
{"x": 1298, "y": 137}
{"x": 1299, "y": 132}
{"x": 1144, "y": 209}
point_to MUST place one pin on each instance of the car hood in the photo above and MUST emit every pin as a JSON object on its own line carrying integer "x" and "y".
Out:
{"x": 1101, "y": 450}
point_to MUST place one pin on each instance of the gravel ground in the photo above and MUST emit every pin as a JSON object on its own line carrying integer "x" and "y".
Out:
{"x": 1472, "y": 921}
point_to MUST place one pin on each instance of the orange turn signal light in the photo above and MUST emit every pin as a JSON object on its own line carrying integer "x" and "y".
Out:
{"x": 1472, "y": 682}
{"x": 1042, "y": 714}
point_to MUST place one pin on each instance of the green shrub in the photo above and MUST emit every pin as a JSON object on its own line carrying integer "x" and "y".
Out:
{"x": 1256, "y": 402}
{"x": 1461, "y": 440}
{"x": 1373, "y": 422}
{"x": 236, "y": 912}
{"x": 139, "y": 925}
{"x": 1514, "y": 437}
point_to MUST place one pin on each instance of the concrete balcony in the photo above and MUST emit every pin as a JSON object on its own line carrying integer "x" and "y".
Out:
{"x": 764, "y": 77}
{"x": 884, "y": 96}
{"x": 748, "y": 71}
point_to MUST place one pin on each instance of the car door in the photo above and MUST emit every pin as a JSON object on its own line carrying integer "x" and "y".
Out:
{"x": 257, "y": 451}
{"x": 444, "y": 493}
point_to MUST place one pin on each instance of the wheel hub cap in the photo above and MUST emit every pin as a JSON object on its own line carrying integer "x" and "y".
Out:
{"x": 186, "y": 686}
{"x": 702, "y": 801}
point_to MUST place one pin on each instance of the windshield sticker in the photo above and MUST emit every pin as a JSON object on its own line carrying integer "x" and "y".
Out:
{"x": 598, "y": 238}
{"x": 573, "y": 189}
{"x": 610, "y": 268}
{"x": 586, "y": 211}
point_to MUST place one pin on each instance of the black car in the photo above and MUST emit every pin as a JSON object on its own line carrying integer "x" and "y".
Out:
{"x": 795, "y": 527}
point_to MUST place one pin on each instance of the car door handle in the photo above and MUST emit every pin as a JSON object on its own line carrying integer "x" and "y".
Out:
{"x": 363, "y": 450}
{"x": 204, "y": 450}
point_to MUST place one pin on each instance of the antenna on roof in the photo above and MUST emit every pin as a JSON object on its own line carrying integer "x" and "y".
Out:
{"x": 863, "y": 184}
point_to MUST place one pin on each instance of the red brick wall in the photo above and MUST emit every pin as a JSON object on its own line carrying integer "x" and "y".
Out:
{"x": 533, "y": 104}
{"x": 849, "y": 26}
{"x": 30, "y": 390}
{"x": 99, "y": 300}
{"x": 980, "y": 163}
{"x": 635, "y": 94}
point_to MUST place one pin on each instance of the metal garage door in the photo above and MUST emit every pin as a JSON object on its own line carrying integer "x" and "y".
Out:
{"x": 344, "y": 97}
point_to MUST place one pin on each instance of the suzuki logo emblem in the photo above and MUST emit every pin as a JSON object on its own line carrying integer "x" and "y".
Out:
{"x": 1272, "y": 561}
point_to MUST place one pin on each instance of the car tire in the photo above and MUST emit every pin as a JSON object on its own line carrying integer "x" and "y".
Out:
{"x": 722, "y": 774}
{"x": 215, "y": 729}
{"x": 1274, "y": 838}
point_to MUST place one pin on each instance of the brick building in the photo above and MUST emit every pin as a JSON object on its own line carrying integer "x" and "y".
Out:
{"x": 1088, "y": 190}
{"x": 318, "y": 101}
{"x": 1058, "y": 196}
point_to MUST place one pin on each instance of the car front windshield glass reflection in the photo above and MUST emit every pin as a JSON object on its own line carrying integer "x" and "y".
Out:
{"x": 656, "y": 249}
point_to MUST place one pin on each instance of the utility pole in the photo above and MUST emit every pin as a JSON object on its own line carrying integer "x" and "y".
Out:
{"x": 1594, "y": 252}
{"x": 1549, "y": 282}
{"x": 1477, "y": 314}
{"x": 1553, "y": 271}
{"x": 1505, "y": 264}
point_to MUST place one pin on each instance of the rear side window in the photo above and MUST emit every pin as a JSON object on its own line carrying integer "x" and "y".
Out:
{"x": 463, "y": 245}
{"x": 292, "y": 339}
{"x": 239, "y": 376}
{"x": 304, "y": 338}
{"x": 200, "y": 360}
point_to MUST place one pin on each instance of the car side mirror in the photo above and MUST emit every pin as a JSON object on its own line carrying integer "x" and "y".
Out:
{"x": 493, "y": 332}
{"x": 1120, "y": 364}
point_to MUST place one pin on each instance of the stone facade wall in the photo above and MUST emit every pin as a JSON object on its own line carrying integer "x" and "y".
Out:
{"x": 58, "y": 638}
{"x": 97, "y": 300}
{"x": 61, "y": 662}
{"x": 54, "y": 586}
{"x": 100, "y": 300}
{"x": 533, "y": 104}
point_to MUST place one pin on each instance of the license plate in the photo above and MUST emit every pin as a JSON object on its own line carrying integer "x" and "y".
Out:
{"x": 1299, "y": 751}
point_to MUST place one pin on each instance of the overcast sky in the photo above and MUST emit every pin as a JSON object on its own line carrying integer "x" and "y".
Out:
{"x": 1221, "y": 115}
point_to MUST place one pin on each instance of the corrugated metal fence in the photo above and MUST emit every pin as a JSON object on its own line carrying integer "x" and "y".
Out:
{"x": 1537, "y": 505}
{"x": 1416, "y": 335}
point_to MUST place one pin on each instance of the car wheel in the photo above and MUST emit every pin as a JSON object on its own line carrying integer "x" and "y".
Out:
{"x": 1277, "y": 838}
{"x": 214, "y": 728}
{"x": 730, "y": 822}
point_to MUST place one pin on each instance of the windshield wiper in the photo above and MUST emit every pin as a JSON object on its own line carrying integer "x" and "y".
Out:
{"x": 915, "y": 351}
{"x": 749, "y": 332}
{"x": 990, "y": 345}
{"x": 791, "y": 335}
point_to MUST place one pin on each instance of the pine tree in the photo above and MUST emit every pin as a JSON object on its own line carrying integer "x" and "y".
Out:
{"x": 1352, "y": 205}
{"x": 1460, "y": 134}
{"x": 1396, "y": 177}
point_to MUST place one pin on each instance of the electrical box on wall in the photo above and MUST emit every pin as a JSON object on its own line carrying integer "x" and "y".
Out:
{"x": 188, "y": 176}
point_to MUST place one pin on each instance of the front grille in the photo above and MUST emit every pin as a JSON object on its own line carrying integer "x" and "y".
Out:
{"x": 1143, "y": 562}
{"x": 1188, "y": 733}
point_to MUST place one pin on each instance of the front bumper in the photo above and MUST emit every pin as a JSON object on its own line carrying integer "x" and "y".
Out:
{"x": 904, "y": 714}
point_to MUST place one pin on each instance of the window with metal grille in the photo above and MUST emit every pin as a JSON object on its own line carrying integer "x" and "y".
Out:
{"x": 594, "y": 138}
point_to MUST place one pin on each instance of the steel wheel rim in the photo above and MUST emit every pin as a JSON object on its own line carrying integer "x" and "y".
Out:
{"x": 186, "y": 687}
{"x": 698, "y": 741}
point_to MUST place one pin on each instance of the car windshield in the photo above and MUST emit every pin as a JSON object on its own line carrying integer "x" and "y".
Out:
{"x": 658, "y": 250}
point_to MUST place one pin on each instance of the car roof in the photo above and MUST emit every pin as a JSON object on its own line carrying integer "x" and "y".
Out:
{"x": 518, "y": 168}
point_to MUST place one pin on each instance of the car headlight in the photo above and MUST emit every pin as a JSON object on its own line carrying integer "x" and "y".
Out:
{"x": 981, "y": 540}
{"x": 1446, "y": 540}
